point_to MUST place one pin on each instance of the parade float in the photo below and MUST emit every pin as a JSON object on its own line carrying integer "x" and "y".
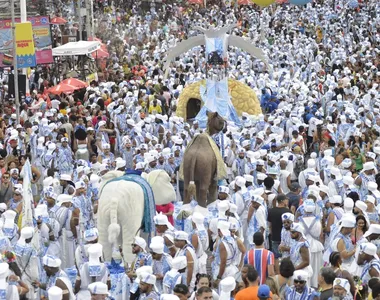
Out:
{"x": 228, "y": 97}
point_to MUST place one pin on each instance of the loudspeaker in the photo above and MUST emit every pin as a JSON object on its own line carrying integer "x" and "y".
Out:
{"x": 21, "y": 85}
{"x": 84, "y": 35}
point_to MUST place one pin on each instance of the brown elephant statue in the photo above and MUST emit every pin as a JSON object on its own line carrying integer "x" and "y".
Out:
{"x": 203, "y": 165}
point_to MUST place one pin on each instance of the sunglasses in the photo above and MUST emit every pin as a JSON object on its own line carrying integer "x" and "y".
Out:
{"x": 299, "y": 281}
{"x": 133, "y": 245}
{"x": 6, "y": 177}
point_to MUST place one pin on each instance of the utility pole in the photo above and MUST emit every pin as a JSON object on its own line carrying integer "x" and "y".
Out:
{"x": 80, "y": 19}
{"x": 15, "y": 70}
{"x": 89, "y": 19}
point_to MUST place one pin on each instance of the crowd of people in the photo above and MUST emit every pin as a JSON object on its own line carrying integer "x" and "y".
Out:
{"x": 297, "y": 216}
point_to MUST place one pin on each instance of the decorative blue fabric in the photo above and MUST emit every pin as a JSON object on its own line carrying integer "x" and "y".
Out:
{"x": 133, "y": 172}
{"x": 149, "y": 203}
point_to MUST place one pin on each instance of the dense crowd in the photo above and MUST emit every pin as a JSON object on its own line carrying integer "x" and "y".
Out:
{"x": 297, "y": 216}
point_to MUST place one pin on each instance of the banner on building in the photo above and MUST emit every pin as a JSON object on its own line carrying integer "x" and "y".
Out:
{"x": 25, "y": 53}
{"x": 41, "y": 37}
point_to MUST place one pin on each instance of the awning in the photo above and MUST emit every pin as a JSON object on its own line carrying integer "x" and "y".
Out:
{"x": 76, "y": 48}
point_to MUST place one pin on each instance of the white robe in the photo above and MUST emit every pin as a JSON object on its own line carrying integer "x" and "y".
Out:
{"x": 316, "y": 248}
{"x": 84, "y": 293}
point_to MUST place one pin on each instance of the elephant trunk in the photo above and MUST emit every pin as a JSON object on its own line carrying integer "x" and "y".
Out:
{"x": 114, "y": 227}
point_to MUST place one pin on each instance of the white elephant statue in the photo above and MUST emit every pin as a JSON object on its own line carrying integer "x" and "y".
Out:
{"x": 121, "y": 209}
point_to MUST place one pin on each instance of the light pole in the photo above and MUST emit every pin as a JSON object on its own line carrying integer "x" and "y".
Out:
{"x": 80, "y": 19}
{"x": 15, "y": 70}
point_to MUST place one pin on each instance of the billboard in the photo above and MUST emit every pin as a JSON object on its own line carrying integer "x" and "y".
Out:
{"x": 41, "y": 37}
{"x": 25, "y": 53}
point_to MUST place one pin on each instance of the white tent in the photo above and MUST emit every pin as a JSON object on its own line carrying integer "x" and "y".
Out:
{"x": 76, "y": 48}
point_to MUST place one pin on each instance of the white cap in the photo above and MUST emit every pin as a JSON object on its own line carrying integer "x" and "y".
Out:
{"x": 373, "y": 229}
{"x": 336, "y": 172}
{"x": 361, "y": 205}
{"x": 370, "y": 199}
{"x": 51, "y": 261}
{"x": 369, "y": 248}
{"x": 198, "y": 219}
{"x": 224, "y": 227}
{"x": 248, "y": 178}
{"x": 179, "y": 263}
{"x": 91, "y": 234}
{"x": 80, "y": 184}
{"x": 372, "y": 186}
{"x": 66, "y": 177}
{"x": 48, "y": 181}
{"x": 348, "y": 204}
{"x": 300, "y": 275}
{"x": 41, "y": 211}
{"x": 27, "y": 232}
{"x": 139, "y": 241}
{"x": 94, "y": 253}
{"x": 224, "y": 189}
{"x": 261, "y": 176}
{"x": 161, "y": 219}
{"x": 157, "y": 247}
{"x": 227, "y": 285}
{"x": 348, "y": 221}
{"x": 297, "y": 227}
{"x": 223, "y": 206}
{"x": 148, "y": 278}
{"x": 287, "y": 216}
{"x": 346, "y": 163}
{"x": 309, "y": 206}
{"x": 98, "y": 288}
{"x": 348, "y": 180}
{"x": 336, "y": 199}
{"x": 344, "y": 283}
{"x": 240, "y": 181}
{"x": 181, "y": 236}
{"x": 55, "y": 293}
{"x": 63, "y": 198}
{"x": 368, "y": 166}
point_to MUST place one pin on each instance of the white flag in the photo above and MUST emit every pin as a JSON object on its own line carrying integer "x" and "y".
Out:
{"x": 27, "y": 208}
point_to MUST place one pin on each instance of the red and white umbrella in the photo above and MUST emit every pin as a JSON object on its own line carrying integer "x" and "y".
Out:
{"x": 101, "y": 53}
{"x": 61, "y": 88}
{"x": 200, "y": 2}
{"x": 58, "y": 21}
{"x": 79, "y": 84}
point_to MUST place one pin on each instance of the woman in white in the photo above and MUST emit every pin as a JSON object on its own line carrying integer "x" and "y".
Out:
{"x": 312, "y": 230}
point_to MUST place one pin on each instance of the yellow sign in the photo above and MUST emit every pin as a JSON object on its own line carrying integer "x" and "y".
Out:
{"x": 25, "y": 52}
{"x": 92, "y": 77}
